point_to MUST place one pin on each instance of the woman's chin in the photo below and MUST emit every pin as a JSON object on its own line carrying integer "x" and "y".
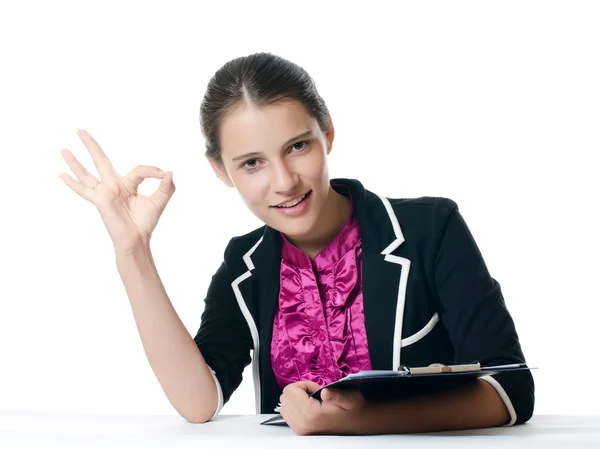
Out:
{"x": 294, "y": 230}
{"x": 293, "y": 227}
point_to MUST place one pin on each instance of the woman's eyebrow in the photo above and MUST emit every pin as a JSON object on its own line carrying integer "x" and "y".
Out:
{"x": 244, "y": 156}
{"x": 256, "y": 153}
{"x": 304, "y": 134}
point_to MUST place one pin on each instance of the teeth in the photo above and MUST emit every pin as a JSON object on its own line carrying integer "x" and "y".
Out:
{"x": 292, "y": 203}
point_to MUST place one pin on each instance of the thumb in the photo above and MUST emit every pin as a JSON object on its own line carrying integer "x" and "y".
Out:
{"x": 327, "y": 395}
{"x": 341, "y": 399}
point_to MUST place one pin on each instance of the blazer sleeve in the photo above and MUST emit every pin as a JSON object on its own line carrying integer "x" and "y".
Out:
{"x": 474, "y": 313}
{"x": 224, "y": 338}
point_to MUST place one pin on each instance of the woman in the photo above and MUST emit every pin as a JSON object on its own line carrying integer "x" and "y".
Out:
{"x": 338, "y": 280}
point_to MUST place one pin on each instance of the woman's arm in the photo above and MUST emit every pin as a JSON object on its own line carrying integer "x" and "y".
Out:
{"x": 173, "y": 355}
{"x": 474, "y": 313}
{"x": 470, "y": 406}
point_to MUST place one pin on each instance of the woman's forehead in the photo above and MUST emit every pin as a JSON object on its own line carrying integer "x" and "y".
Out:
{"x": 251, "y": 129}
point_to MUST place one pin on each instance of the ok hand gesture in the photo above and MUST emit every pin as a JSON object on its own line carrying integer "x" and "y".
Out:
{"x": 128, "y": 216}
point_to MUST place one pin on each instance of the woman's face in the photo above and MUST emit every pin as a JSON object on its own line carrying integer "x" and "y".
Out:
{"x": 275, "y": 155}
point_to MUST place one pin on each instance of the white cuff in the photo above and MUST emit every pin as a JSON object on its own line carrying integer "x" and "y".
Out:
{"x": 219, "y": 394}
{"x": 511, "y": 410}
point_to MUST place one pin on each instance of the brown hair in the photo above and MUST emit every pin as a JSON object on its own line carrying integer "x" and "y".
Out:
{"x": 259, "y": 79}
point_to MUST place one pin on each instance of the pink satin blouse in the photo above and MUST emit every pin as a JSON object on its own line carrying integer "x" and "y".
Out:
{"x": 319, "y": 331}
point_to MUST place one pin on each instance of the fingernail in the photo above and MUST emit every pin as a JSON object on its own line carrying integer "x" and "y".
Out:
{"x": 160, "y": 172}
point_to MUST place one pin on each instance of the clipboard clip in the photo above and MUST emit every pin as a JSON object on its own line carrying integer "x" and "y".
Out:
{"x": 436, "y": 368}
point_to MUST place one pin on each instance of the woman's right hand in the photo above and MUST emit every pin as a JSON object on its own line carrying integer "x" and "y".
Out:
{"x": 128, "y": 216}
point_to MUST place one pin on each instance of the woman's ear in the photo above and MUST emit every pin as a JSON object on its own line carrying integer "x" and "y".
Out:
{"x": 220, "y": 171}
{"x": 329, "y": 135}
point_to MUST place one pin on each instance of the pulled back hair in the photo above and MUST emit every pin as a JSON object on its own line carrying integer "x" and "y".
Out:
{"x": 259, "y": 79}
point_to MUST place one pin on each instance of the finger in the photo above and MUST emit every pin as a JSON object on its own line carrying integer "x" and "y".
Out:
{"x": 284, "y": 414}
{"x": 165, "y": 190}
{"x": 101, "y": 161}
{"x": 283, "y": 401}
{"x": 307, "y": 386}
{"x": 141, "y": 172}
{"x": 78, "y": 169}
{"x": 78, "y": 187}
{"x": 292, "y": 394}
{"x": 342, "y": 399}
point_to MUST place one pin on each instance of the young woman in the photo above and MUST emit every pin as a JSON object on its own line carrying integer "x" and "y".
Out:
{"x": 338, "y": 280}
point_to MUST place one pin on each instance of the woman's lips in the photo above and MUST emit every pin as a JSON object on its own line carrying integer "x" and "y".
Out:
{"x": 297, "y": 209}
{"x": 303, "y": 196}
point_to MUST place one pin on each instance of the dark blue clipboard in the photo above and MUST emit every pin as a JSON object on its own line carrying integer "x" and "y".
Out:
{"x": 401, "y": 384}
{"x": 386, "y": 385}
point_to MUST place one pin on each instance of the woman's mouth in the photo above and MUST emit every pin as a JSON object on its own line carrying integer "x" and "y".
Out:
{"x": 294, "y": 207}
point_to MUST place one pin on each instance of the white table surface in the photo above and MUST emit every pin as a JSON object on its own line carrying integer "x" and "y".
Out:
{"x": 21, "y": 429}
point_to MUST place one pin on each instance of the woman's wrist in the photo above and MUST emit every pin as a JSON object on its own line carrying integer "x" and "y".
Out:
{"x": 137, "y": 250}
{"x": 136, "y": 262}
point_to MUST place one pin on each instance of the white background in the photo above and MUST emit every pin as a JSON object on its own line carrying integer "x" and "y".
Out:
{"x": 492, "y": 104}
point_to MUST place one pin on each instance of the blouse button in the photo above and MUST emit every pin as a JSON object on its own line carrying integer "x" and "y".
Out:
{"x": 321, "y": 336}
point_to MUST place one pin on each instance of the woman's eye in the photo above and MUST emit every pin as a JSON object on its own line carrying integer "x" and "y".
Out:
{"x": 250, "y": 163}
{"x": 302, "y": 142}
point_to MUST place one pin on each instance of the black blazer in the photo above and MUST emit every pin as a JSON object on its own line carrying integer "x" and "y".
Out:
{"x": 428, "y": 298}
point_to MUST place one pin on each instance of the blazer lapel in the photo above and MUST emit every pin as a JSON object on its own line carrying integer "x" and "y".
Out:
{"x": 266, "y": 295}
{"x": 380, "y": 282}
{"x": 384, "y": 275}
{"x": 258, "y": 288}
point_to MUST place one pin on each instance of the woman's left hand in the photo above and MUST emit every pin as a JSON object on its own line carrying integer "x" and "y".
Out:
{"x": 338, "y": 413}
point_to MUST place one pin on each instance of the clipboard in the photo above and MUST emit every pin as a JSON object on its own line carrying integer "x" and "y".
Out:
{"x": 379, "y": 385}
{"x": 407, "y": 382}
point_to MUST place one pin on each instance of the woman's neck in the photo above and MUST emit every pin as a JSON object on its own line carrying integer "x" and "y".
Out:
{"x": 335, "y": 214}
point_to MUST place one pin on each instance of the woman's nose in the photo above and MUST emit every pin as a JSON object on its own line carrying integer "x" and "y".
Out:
{"x": 283, "y": 179}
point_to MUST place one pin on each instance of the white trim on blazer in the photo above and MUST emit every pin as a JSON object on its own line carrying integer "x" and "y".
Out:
{"x": 422, "y": 333}
{"x": 403, "y": 279}
{"x": 507, "y": 402}
{"x": 219, "y": 393}
{"x": 251, "y": 323}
